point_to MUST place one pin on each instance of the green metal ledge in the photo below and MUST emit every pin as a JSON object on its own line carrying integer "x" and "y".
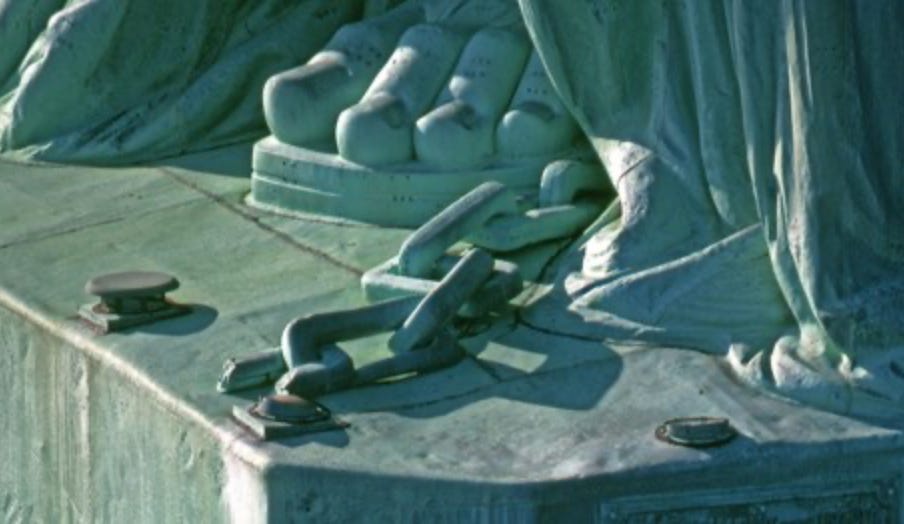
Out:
{"x": 530, "y": 427}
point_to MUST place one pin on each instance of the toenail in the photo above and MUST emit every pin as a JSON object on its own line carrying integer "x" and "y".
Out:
{"x": 538, "y": 109}
{"x": 466, "y": 116}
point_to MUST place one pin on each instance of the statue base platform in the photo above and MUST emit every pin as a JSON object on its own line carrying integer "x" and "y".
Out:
{"x": 530, "y": 427}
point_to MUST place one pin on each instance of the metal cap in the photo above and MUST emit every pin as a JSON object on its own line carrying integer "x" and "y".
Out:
{"x": 131, "y": 284}
{"x": 289, "y": 408}
{"x": 696, "y": 431}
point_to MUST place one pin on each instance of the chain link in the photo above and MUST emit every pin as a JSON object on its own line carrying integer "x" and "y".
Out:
{"x": 425, "y": 287}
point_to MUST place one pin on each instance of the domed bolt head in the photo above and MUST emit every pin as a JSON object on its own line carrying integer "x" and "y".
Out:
{"x": 131, "y": 289}
{"x": 130, "y": 298}
{"x": 289, "y": 408}
{"x": 697, "y": 432}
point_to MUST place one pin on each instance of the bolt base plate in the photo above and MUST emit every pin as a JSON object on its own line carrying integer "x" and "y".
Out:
{"x": 265, "y": 429}
{"x": 109, "y": 322}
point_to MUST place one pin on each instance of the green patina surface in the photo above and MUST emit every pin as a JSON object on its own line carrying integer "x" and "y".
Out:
{"x": 531, "y": 425}
{"x": 80, "y": 443}
{"x": 754, "y": 147}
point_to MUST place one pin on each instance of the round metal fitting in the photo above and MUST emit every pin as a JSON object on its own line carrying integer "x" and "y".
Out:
{"x": 289, "y": 408}
{"x": 697, "y": 432}
{"x": 131, "y": 284}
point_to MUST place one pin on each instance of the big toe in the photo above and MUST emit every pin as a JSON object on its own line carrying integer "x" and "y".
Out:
{"x": 301, "y": 105}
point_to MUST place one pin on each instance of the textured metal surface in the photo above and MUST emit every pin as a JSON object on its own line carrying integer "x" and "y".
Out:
{"x": 875, "y": 502}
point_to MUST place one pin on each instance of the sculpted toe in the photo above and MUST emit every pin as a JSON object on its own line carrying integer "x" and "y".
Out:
{"x": 301, "y": 105}
{"x": 537, "y": 122}
{"x": 453, "y": 136}
{"x": 532, "y": 129}
{"x": 375, "y": 132}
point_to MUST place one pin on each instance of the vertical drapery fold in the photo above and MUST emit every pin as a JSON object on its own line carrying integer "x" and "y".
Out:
{"x": 790, "y": 110}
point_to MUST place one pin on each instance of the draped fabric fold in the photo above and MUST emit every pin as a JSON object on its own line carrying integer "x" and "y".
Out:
{"x": 716, "y": 117}
{"x": 121, "y": 81}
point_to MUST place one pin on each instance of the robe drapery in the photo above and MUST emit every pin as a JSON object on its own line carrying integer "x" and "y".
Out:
{"x": 757, "y": 149}
{"x": 124, "y": 81}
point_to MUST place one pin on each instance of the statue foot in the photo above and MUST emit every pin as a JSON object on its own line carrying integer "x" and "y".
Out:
{"x": 408, "y": 85}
